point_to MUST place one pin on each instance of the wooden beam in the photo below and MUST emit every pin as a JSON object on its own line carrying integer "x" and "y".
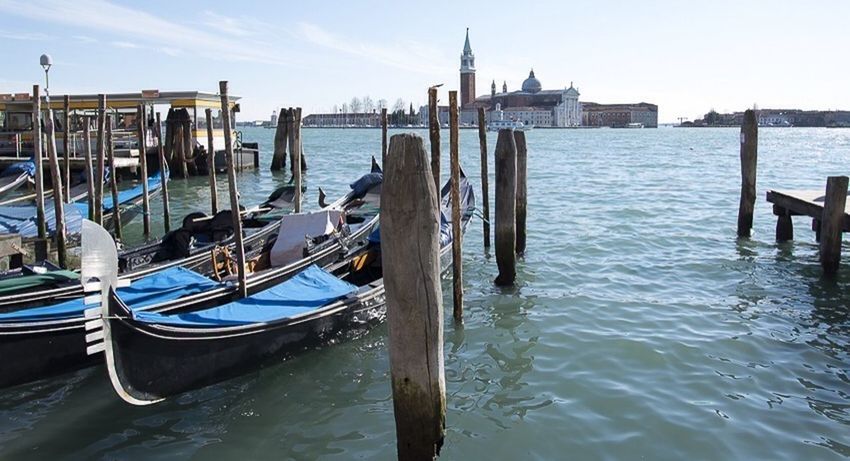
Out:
{"x": 39, "y": 173}
{"x": 143, "y": 160}
{"x": 89, "y": 163}
{"x": 434, "y": 134}
{"x": 280, "y": 141}
{"x": 384, "y": 126}
{"x": 66, "y": 147}
{"x": 506, "y": 208}
{"x": 59, "y": 233}
{"x": 295, "y": 150}
{"x": 521, "y": 190}
{"x": 410, "y": 232}
{"x": 831, "y": 223}
{"x": 211, "y": 163}
{"x": 234, "y": 193}
{"x": 457, "y": 232}
{"x": 101, "y": 160}
{"x": 485, "y": 179}
{"x": 749, "y": 160}
{"x": 113, "y": 180}
{"x": 163, "y": 177}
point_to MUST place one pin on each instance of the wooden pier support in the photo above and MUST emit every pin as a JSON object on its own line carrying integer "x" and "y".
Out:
{"x": 234, "y": 194}
{"x": 163, "y": 165}
{"x": 59, "y": 232}
{"x": 66, "y": 147}
{"x": 101, "y": 156}
{"x": 384, "y": 124}
{"x": 784, "y": 225}
{"x": 506, "y": 207}
{"x": 410, "y": 230}
{"x": 143, "y": 161}
{"x": 211, "y": 161}
{"x": 485, "y": 186}
{"x": 295, "y": 151}
{"x": 521, "y": 190}
{"x": 113, "y": 180}
{"x": 90, "y": 178}
{"x": 39, "y": 168}
{"x": 434, "y": 134}
{"x": 280, "y": 135}
{"x": 749, "y": 160}
{"x": 832, "y": 223}
{"x": 457, "y": 232}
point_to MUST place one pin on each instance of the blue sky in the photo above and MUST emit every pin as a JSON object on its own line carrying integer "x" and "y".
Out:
{"x": 687, "y": 57}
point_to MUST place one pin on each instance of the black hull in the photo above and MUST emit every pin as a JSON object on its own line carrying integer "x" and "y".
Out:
{"x": 32, "y": 355}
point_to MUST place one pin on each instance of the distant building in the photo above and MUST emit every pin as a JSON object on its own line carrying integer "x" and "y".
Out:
{"x": 779, "y": 118}
{"x": 619, "y": 115}
{"x": 342, "y": 119}
{"x": 273, "y": 120}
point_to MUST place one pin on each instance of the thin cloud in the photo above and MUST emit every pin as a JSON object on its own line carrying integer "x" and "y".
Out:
{"x": 127, "y": 45}
{"x": 410, "y": 56}
{"x": 25, "y": 36}
{"x": 106, "y": 17}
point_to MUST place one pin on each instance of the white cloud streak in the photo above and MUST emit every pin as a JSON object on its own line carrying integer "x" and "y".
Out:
{"x": 25, "y": 36}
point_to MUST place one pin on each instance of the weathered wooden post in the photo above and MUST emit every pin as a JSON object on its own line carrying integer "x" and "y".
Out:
{"x": 113, "y": 179}
{"x": 294, "y": 144}
{"x": 521, "y": 190}
{"x": 506, "y": 207}
{"x": 181, "y": 149}
{"x": 410, "y": 229}
{"x": 384, "y": 124}
{"x": 211, "y": 162}
{"x": 749, "y": 159}
{"x": 295, "y": 151}
{"x": 101, "y": 156}
{"x": 163, "y": 177}
{"x": 88, "y": 168}
{"x": 143, "y": 160}
{"x": 39, "y": 172}
{"x": 784, "y": 225}
{"x": 234, "y": 194}
{"x": 59, "y": 232}
{"x": 280, "y": 140}
{"x": 832, "y": 223}
{"x": 457, "y": 234}
{"x": 66, "y": 147}
{"x": 434, "y": 134}
{"x": 485, "y": 186}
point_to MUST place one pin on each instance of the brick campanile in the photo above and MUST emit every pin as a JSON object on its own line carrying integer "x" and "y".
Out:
{"x": 467, "y": 73}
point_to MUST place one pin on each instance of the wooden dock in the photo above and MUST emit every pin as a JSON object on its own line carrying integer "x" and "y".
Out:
{"x": 802, "y": 203}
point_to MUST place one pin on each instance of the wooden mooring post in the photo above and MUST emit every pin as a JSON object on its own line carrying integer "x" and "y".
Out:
{"x": 295, "y": 151}
{"x": 101, "y": 156}
{"x": 113, "y": 179}
{"x": 143, "y": 161}
{"x": 66, "y": 147}
{"x": 749, "y": 160}
{"x": 485, "y": 186}
{"x": 280, "y": 135}
{"x": 384, "y": 124}
{"x": 434, "y": 134}
{"x": 506, "y": 207}
{"x": 410, "y": 230}
{"x": 234, "y": 194}
{"x": 832, "y": 223}
{"x": 521, "y": 190}
{"x": 457, "y": 234}
{"x": 163, "y": 176}
{"x": 37, "y": 156}
{"x": 88, "y": 168}
{"x": 211, "y": 162}
{"x": 59, "y": 233}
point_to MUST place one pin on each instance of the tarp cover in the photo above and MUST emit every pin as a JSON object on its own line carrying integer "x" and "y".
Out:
{"x": 25, "y": 282}
{"x": 290, "y": 243}
{"x": 22, "y": 219}
{"x": 307, "y": 291}
{"x": 15, "y": 169}
{"x": 125, "y": 196}
{"x": 168, "y": 285}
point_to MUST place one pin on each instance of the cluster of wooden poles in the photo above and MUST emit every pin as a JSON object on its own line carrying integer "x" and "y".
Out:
{"x": 410, "y": 229}
{"x": 829, "y": 219}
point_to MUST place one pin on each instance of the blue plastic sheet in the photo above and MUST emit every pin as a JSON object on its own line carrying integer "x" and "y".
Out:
{"x": 168, "y": 285}
{"x": 15, "y": 169}
{"x": 307, "y": 291}
{"x": 366, "y": 182}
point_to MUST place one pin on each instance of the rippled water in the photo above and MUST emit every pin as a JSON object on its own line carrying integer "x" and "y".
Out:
{"x": 640, "y": 328}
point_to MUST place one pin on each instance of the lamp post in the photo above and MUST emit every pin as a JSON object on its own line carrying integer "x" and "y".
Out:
{"x": 46, "y": 61}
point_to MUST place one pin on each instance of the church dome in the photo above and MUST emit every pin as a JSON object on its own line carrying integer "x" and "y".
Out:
{"x": 531, "y": 84}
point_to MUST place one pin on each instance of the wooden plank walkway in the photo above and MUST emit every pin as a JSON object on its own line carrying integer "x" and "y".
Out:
{"x": 802, "y": 203}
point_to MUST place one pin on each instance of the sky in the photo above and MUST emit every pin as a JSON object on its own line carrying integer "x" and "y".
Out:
{"x": 687, "y": 57}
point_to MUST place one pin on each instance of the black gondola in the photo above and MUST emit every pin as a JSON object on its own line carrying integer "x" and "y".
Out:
{"x": 51, "y": 340}
{"x": 153, "y": 356}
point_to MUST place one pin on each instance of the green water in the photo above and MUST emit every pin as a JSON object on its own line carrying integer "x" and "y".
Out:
{"x": 640, "y": 327}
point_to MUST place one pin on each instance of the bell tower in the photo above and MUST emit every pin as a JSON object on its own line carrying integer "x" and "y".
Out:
{"x": 467, "y": 73}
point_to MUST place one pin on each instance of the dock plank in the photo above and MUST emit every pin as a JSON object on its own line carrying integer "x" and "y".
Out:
{"x": 803, "y": 203}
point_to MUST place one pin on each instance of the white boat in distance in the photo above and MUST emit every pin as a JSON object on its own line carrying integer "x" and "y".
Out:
{"x": 497, "y": 125}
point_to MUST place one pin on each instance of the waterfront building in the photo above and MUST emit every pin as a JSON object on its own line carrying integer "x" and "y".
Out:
{"x": 620, "y": 115}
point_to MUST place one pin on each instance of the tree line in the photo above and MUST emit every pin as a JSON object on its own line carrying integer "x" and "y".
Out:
{"x": 366, "y": 105}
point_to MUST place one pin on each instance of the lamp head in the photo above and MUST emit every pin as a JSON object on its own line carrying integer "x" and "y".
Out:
{"x": 46, "y": 61}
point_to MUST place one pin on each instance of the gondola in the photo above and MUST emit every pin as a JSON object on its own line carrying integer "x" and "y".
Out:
{"x": 15, "y": 176}
{"x": 154, "y": 355}
{"x": 50, "y": 340}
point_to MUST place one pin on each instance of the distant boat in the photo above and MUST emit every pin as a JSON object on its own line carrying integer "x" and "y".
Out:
{"x": 497, "y": 125}
{"x": 634, "y": 125}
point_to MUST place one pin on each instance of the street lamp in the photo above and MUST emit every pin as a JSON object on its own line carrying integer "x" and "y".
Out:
{"x": 46, "y": 61}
